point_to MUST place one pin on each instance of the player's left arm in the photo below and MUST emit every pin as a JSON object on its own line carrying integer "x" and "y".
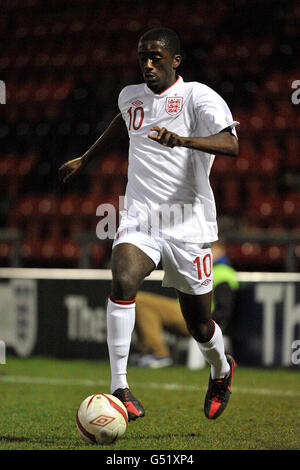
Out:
{"x": 222, "y": 143}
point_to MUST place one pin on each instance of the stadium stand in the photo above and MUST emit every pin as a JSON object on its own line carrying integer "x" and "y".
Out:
{"x": 64, "y": 64}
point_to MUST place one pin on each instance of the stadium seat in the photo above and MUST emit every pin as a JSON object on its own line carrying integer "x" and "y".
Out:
{"x": 231, "y": 201}
{"x": 291, "y": 206}
{"x": 5, "y": 253}
{"x": 70, "y": 251}
{"x": 25, "y": 164}
{"x": 222, "y": 165}
{"x": 244, "y": 254}
{"x": 31, "y": 246}
{"x": 265, "y": 207}
{"x": 276, "y": 255}
{"x": 291, "y": 159}
{"x": 47, "y": 206}
{"x": 50, "y": 250}
{"x": 8, "y": 165}
{"x": 109, "y": 165}
{"x": 253, "y": 190}
{"x": 69, "y": 205}
{"x": 88, "y": 206}
{"x": 99, "y": 254}
{"x": 27, "y": 206}
{"x": 246, "y": 161}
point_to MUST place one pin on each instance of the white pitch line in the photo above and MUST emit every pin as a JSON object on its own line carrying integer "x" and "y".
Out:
{"x": 159, "y": 386}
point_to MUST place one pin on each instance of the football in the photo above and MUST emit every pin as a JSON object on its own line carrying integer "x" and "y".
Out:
{"x": 101, "y": 419}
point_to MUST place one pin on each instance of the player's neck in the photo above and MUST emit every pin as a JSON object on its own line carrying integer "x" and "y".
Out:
{"x": 165, "y": 86}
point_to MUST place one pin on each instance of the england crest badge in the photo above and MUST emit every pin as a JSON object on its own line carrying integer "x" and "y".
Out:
{"x": 174, "y": 105}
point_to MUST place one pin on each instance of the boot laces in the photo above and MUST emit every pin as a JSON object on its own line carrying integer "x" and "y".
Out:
{"x": 218, "y": 389}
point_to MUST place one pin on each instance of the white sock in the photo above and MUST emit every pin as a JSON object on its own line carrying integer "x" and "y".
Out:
{"x": 214, "y": 353}
{"x": 120, "y": 324}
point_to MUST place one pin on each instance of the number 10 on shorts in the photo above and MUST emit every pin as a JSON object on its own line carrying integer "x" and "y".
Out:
{"x": 204, "y": 266}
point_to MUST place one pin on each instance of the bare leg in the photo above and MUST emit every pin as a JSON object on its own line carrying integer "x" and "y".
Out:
{"x": 130, "y": 266}
{"x": 196, "y": 310}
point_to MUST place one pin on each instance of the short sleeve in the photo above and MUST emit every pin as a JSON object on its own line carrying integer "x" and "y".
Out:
{"x": 121, "y": 98}
{"x": 213, "y": 111}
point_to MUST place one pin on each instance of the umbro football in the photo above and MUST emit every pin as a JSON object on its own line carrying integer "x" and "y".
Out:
{"x": 101, "y": 419}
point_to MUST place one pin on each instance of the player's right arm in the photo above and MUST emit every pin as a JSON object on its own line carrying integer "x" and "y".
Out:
{"x": 114, "y": 132}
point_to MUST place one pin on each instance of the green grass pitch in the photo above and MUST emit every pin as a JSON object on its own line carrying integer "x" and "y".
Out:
{"x": 39, "y": 399}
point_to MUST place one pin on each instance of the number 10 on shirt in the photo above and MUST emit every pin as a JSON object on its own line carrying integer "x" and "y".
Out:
{"x": 136, "y": 117}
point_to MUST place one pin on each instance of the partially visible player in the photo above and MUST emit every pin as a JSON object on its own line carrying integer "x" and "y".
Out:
{"x": 175, "y": 129}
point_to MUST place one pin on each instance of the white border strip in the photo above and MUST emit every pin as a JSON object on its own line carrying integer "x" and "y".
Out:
{"x": 30, "y": 380}
{"x": 105, "y": 274}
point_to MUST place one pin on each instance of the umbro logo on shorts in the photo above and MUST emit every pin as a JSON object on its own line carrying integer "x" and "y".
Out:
{"x": 206, "y": 282}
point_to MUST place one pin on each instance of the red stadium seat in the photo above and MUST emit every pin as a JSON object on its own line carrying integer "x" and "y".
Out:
{"x": 31, "y": 251}
{"x": 269, "y": 206}
{"x": 69, "y": 205}
{"x": 25, "y": 164}
{"x": 109, "y": 165}
{"x": 31, "y": 247}
{"x": 74, "y": 227}
{"x": 97, "y": 190}
{"x": 291, "y": 207}
{"x": 8, "y": 165}
{"x": 246, "y": 161}
{"x": 264, "y": 209}
{"x": 88, "y": 206}
{"x": 5, "y": 252}
{"x": 292, "y": 151}
{"x": 124, "y": 165}
{"x": 54, "y": 230}
{"x": 43, "y": 91}
{"x": 222, "y": 165}
{"x": 50, "y": 249}
{"x": 99, "y": 253}
{"x": 70, "y": 250}
{"x": 268, "y": 165}
{"x": 231, "y": 195}
{"x": 254, "y": 190}
{"x": 261, "y": 117}
{"x": 27, "y": 206}
{"x": 257, "y": 255}
{"x": 272, "y": 84}
{"x": 246, "y": 254}
{"x": 62, "y": 89}
{"x": 47, "y": 205}
{"x": 276, "y": 254}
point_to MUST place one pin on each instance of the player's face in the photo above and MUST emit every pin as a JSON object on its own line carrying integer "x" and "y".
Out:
{"x": 158, "y": 65}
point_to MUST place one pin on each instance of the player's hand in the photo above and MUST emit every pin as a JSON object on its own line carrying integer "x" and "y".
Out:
{"x": 165, "y": 137}
{"x": 71, "y": 168}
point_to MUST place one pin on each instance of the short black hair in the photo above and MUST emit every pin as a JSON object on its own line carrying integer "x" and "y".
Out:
{"x": 166, "y": 36}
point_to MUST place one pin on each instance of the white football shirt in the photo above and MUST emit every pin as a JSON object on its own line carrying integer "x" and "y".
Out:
{"x": 168, "y": 189}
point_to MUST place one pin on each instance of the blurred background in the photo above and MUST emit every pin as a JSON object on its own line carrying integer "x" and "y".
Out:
{"x": 64, "y": 64}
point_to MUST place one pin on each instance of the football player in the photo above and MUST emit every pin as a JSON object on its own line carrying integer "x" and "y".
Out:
{"x": 175, "y": 128}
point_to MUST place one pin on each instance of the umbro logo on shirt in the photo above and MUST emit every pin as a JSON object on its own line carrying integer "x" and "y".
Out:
{"x": 137, "y": 103}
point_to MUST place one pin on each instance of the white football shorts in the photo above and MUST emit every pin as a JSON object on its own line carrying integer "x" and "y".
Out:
{"x": 187, "y": 266}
